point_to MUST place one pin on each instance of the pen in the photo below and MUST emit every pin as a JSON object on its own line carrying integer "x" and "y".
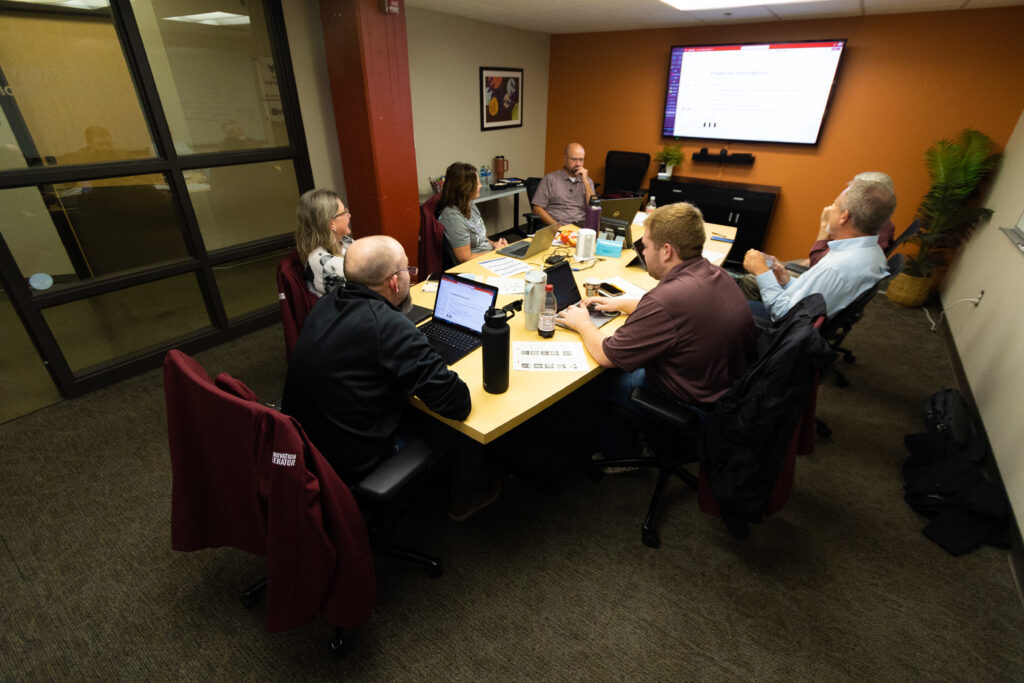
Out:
{"x": 722, "y": 239}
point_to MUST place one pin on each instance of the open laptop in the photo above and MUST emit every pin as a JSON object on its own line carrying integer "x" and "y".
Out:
{"x": 459, "y": 310}
{"x": 616, "y": 217}
{"x": 523, "y": 250}
{"x": 567, "y": 292}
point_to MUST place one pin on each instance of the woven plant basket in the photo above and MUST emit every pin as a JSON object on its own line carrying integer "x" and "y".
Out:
{"x": 907, "y": 290}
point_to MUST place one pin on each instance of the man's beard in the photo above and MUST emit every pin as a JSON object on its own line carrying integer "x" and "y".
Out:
{"x": 406, "y": 304}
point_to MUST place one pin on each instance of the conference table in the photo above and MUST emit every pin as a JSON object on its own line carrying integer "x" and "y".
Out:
{"x": 529, "y": 391}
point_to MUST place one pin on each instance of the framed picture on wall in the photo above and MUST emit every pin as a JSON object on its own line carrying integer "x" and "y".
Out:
{"x": 501, "y": 97}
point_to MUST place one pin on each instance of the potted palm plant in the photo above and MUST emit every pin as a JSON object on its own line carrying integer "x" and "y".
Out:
{"x": 669, "y": 157}
{"x": 947, "y": 214}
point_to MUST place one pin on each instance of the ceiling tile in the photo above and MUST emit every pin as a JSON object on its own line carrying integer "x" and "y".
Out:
{"x": 817, "y": 10}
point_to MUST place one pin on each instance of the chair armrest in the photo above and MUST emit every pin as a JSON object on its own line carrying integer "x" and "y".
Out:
{"x": 795, "y": 267}
{"x": 668, "y": 409}
{"x": 394, "y": 473}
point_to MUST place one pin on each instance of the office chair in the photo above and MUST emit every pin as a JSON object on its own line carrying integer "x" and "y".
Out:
{"x": 747, "y": 443}
{"x": 247, "y": 476}
{"x": 841, "y": 323}
{"x": 294, "y": 299}
{"x": 435, "y": 254}
{"x": 533, "y": 220}
{"x": 624, "y": 173}
{"x": 911, "y": 230}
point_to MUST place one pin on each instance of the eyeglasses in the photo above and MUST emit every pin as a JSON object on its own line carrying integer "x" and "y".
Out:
{"x": 343, "y": 213}
{"x": 411, "y": 269}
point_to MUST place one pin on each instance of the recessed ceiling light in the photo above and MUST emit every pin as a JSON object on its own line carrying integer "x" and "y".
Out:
{"x": 77, "y": 4}
{"x": 213, "y": 19}
{"x": 694, "y": 5}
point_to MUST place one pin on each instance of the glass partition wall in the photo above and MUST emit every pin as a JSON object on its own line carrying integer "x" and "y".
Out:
{"x": 151, "y": 155}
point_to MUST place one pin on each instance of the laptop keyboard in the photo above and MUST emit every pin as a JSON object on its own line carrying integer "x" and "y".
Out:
{"x": 515, "y": 249}
{"x": 463, "y": 341}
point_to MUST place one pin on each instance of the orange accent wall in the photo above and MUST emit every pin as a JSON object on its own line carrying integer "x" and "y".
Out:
{"x": 906, "y": 81}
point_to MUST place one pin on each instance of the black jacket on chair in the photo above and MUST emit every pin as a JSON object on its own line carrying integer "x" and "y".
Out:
{"x": 751, "y": 426}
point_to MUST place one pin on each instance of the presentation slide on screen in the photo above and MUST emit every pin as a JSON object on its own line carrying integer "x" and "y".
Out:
{"x": 752, "y": 92}
{"x": 462, "y": 303}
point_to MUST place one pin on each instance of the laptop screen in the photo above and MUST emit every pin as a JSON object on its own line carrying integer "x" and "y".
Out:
{"x": 563, "y": 284}
{"x": 462, "y": 302}
{"x": 621, "y": 209}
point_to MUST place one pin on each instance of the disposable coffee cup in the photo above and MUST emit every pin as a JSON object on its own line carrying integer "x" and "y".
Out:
{"x": 591, "y": 286}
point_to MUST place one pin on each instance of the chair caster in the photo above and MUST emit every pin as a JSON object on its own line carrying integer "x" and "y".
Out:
{"x": 650, "y": 537}
{"x": 822, "y": 430}
{"x": 252, "y": 594}
{"x": 841, "y": 381}
{"x": 338, "y": 646}
{"x": 849, "y": 358}
{"x": 435, "y": 569}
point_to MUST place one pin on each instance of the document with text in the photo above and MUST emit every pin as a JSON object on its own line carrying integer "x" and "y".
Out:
{"x": 549, "y": 356}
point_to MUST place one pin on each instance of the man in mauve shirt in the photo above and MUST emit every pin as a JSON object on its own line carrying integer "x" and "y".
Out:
{"x": 690, "y": 337}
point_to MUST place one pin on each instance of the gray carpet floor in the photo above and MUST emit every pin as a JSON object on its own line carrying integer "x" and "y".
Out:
{"x": 841, "y": 585}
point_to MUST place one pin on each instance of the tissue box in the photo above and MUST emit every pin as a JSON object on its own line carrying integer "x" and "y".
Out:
{"x": 612, "y": 248}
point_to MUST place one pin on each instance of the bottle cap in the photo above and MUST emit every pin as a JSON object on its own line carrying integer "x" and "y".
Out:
{"x": 549, "y": 288}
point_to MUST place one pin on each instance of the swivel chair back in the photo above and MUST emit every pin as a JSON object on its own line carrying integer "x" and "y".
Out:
{"x": 841, "y": 323}
{"x": 294, "y": 299}
{"x": 624, "y": 173}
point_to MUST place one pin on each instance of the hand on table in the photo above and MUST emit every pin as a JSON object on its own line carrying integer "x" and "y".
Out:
{"x": 498, "y": 243}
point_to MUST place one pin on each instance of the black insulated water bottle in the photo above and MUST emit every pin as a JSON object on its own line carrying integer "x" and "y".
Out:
{"x": 496, "y": 335}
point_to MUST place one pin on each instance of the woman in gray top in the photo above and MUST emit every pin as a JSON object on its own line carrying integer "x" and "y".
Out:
{"x": 463, "y": 227}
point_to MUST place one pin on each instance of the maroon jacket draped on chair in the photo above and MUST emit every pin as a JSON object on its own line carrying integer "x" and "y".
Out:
{"x": 247, "y": 476}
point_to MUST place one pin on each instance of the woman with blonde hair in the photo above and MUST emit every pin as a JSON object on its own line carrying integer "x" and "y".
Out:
{"x": 321, "y": 238}
{"x": 463, "y": 227}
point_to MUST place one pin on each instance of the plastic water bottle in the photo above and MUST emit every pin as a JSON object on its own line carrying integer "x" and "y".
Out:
{"x": 546, "y": 324}
{"x": 651, "y": 205}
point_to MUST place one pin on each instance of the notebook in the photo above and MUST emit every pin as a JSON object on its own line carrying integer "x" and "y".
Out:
{"x": 459, "y": 310}
{"x": 617, "y": 215}
{"x": 523, "y": 250}
{"x": 567, "y": 292}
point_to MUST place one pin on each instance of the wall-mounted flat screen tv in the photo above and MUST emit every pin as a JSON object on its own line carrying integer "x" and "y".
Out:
{"x": 769, "y": 92}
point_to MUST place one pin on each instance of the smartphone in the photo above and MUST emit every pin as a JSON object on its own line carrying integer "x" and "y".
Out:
{"x": 608, "y": 289}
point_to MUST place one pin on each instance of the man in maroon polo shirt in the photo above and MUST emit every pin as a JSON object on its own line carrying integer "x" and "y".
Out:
{"x": 690, "y": 337}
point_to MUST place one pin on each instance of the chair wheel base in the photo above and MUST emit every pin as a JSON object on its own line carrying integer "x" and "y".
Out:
{"x": 251, "y": 596}
{"x": 338, "y": 645}
{"x": 650, "y": 537}
{"x": 435, "y": 570}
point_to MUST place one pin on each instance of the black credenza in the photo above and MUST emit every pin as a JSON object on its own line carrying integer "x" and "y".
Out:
{"x": 748, "y": 207}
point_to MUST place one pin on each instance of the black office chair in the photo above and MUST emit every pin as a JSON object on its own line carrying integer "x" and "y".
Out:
{"x": 624, "y": 173}
{"x": 904, "y": 236}
{"x": 841, "y": 323}
{"x": 533, "y": 220}
{"x": 747, "y": 444}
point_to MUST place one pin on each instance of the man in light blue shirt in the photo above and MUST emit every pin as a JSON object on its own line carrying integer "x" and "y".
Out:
{"x": 854, "y": 261}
